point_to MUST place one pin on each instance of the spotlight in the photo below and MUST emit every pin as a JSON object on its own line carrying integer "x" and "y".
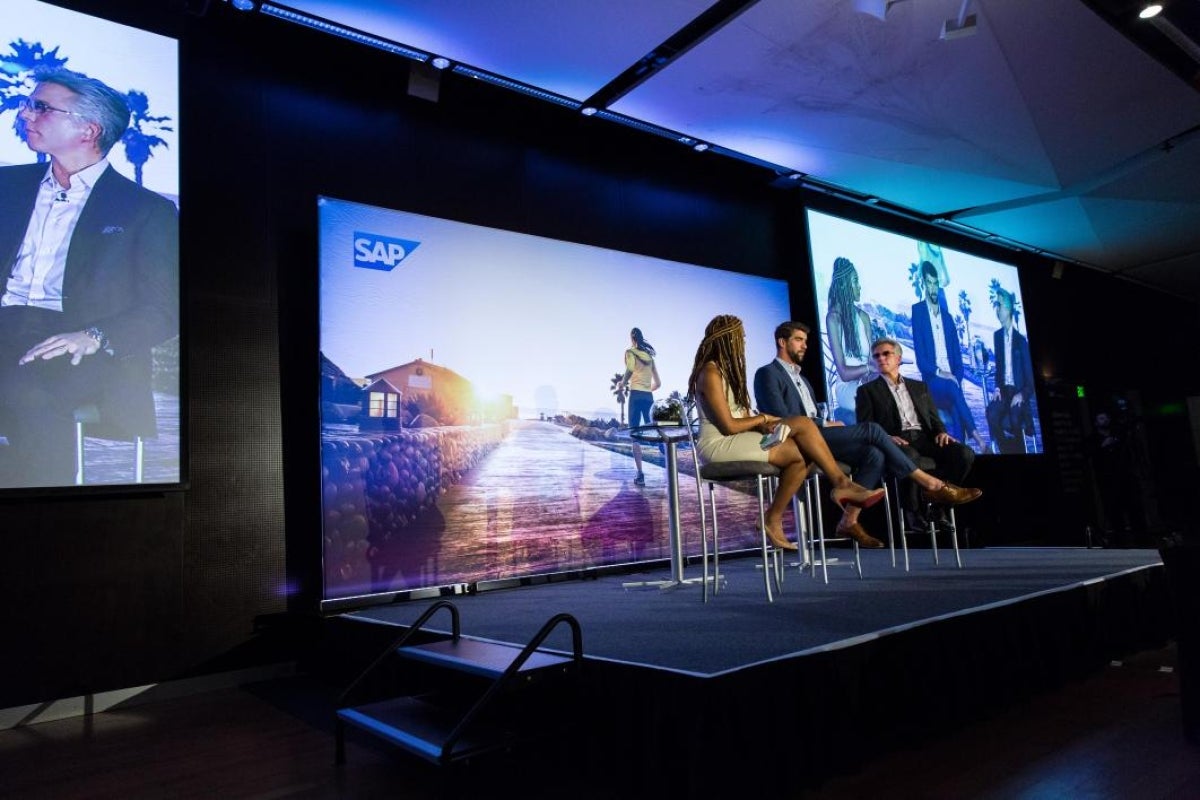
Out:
{"x": 440, "y": 62}
{"x": 700, "y": 147}
{"x": 1152, "y": 10}
{"x": 588, "y": 111}
{"x": 960, "y": 26}
{"x": 796, "y": 176}
{"x": 957, "y": 29}
{"x": 875, "y": 8}
{"x": 243, "y": 5}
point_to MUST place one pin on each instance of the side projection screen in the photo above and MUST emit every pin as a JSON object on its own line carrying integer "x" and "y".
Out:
{"x": 958, "y": 318}
{"x": 89, "y": 252}
{"x": 471, "y": 427}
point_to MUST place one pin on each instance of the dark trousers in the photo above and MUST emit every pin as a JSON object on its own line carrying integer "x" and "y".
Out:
{"x": 952, "y": 461}
{"x": 38, "y": 400}
{"x": 1005, "y": 423}
{"x": 869, "y": 452}
{"x": 948, "y": 396}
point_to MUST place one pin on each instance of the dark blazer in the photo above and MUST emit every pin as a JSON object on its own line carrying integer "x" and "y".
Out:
{"x": 775, "y": 392}
{"x": 1022, "y": 363}
{"x": 923, "y": 339}
{"x": 874, "y": 403}
{"x": 122, "y": 276}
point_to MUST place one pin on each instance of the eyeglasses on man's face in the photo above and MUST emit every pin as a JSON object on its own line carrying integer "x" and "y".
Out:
{"x": 39, "y": 107}
{"x": 882, "y": 354}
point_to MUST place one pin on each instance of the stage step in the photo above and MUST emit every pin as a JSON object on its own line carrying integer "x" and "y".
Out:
{"x": 467, "y": 697}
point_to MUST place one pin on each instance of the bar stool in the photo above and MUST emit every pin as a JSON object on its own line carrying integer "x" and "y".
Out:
{"x": 926, "y": 464}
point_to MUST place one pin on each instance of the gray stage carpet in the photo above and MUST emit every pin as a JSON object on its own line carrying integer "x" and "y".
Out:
{"x": 673, "y": 630}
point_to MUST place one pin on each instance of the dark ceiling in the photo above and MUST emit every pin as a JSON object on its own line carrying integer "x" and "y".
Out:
{"x": 1068, "y": 127}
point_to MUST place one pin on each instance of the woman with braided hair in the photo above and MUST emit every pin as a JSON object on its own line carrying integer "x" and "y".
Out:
{"x": 850, "y": 339}
{"x": 729, "y": 432}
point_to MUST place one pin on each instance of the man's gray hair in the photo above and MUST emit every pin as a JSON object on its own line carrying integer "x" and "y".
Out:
{"x": 887, "y": 340}
{"x": 96, "y": 102}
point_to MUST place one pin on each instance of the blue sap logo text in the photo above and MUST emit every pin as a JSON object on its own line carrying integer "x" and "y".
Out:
{"x": 373, "y": 251}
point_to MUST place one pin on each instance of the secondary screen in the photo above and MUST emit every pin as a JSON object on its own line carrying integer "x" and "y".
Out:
{"x": 472, "y": 427}
{"x": 89, "y": 256}
{"x": 959, "y": 319}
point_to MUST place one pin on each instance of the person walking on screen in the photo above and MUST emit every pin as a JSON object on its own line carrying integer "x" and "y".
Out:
{"x": 90, "y": 281}
{"x": 904, "y": 408}
{"x": 781, "y": 389}
{"x": 939, "y": 357}
{"x": 641, "y": 379}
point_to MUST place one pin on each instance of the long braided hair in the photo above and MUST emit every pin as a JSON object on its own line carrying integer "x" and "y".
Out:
{"x": 841, "y": 303}
{"x": 724, "y": 344}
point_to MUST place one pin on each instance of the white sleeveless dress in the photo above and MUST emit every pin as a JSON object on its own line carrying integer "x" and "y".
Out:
{"x": 715, "y": 447}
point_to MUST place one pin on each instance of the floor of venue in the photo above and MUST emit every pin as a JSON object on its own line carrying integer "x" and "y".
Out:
{"x": 1116, "y": 732}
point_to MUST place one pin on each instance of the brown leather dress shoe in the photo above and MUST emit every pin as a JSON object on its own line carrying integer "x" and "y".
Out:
{"x": 951, "y": 495}
{"x": 859, "y": 534}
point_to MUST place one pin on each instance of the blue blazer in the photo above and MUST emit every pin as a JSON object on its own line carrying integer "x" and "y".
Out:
{"x": 923, "y": 340}
{"x": 122, "y": 276}
{"x": 775, "y": 392}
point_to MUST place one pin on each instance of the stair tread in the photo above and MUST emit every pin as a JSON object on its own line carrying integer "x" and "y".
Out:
{"x": 422, "y": 729}
{"x": 489, "y": 659}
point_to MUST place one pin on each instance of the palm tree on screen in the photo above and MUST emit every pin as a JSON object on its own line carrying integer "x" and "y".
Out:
{"x": 618, "y": 390}
{"x": 139, "y": 139}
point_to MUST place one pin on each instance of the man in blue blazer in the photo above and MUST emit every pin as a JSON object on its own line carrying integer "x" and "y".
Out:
{"x": 1010, "y": 410}
{"x": 781, "y": 390}
{"x": 90, "y": 268}
{"x": 939, "y": 356}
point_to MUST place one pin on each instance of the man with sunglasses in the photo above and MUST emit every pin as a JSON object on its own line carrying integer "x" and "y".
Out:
{"x": 905, "y": 409}
{"x": 88, "y": 281}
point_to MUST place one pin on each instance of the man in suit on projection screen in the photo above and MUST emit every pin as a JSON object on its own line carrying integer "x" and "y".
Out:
{"x": 90, "y": 264}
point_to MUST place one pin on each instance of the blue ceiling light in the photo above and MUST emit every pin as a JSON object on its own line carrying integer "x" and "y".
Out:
{"x": 242, "y": 5}
{"x": 341, "y": 30}
{"x": 1151, "y": 10}
{"x": 439, "y": 62}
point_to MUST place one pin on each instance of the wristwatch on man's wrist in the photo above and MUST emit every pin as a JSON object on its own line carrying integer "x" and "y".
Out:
{"x": 100, "y": 338}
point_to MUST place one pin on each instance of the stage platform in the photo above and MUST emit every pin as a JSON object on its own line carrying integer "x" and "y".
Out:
{"x": 674, "y": 683}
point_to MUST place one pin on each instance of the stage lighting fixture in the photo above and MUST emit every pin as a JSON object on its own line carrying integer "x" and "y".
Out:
{"x": 954, "y": 29}
{"x": 588, "y": 111}
{"x": 1152, "y": 10}
{"x": 700, "y": 147}
{"x": 440, "y": 62}
{"x": 876, "y": 8}
{"x": 1178, "y": 37}
{"x": 962, "y": 25}
{"x": 243, "y": 5}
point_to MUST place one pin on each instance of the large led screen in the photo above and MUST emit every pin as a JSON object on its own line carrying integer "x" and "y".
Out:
{"x": 89, "y": 300}
{"x": 472, "y": 427}
{"x": 948, "y": 310}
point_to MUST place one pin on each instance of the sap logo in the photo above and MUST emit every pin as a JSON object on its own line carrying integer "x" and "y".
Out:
{"x": 372, "y": 251}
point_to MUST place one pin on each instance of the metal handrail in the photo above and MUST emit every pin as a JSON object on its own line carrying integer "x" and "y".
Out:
{"x": 507, "y": 676}
{"x": 455, "y": 632}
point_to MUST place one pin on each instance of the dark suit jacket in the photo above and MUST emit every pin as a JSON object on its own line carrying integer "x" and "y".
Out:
{"x": 923, "y": 339}
{"x": 874, "y": 403}
{"x": 775, "y": 392}
{"x": 122, "y": 276}
{"x": 1022, "y": 363}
